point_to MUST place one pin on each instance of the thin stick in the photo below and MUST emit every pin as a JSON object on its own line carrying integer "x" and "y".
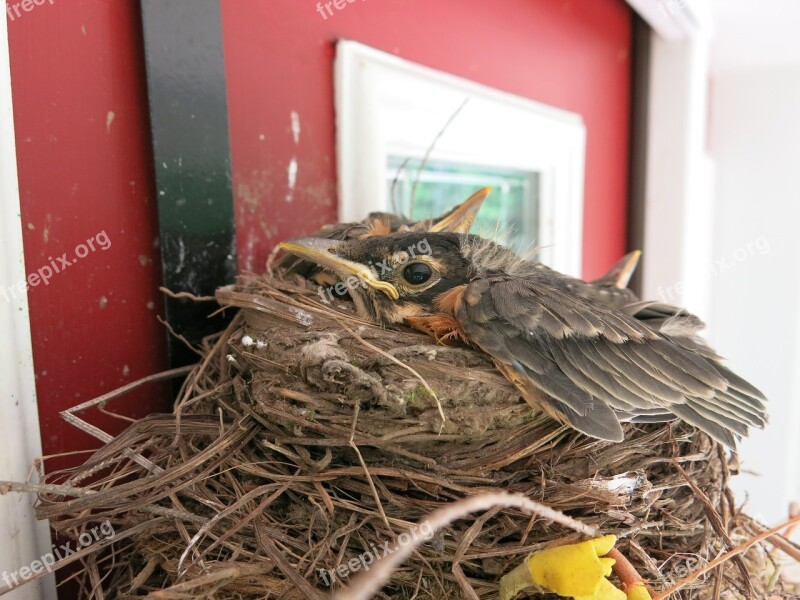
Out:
{"x": 368, "y": 583}
{"x": 219, "y": 577}
{"x": 428, "y": 154}
{"x": 186, "y": 295}
{"x": 177, "y": 335}
{"x": 394, "y": 186}
{"x": 726, "y": 557}
{"x": 627, "y": 573}
{"x": 128, "y": 387}
{"x": 42, "y": 488}
{"x": 270, "y": 260}
{"x": 716, "y": 523}
{"x": 794, "y": 510}
{"x": 70, "y": 417}
{"x": 780, "y": 541}
{"x": 371, "y": 483}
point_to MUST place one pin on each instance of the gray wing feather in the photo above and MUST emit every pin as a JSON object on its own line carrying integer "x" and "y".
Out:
{"x": 597, "y": 365}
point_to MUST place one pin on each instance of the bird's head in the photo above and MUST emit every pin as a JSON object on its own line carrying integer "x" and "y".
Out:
{"x": 391, "y": 277}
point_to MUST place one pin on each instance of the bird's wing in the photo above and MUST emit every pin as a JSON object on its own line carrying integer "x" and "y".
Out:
{"x": 590, "y": 364}
{"x": 674, "y": 323}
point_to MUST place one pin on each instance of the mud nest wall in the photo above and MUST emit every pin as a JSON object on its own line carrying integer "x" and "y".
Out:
{"x": 306, "y": 436}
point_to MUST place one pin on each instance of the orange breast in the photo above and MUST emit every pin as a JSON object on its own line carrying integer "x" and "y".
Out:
{"x": 442, "y": 327}
{"x": 450, "y": 301}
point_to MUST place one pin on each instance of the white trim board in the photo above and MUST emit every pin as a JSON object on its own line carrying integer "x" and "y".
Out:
{"x": 675, "y": 19}
{"x": 23, "y": 538}
{"x": 386, "y": 105}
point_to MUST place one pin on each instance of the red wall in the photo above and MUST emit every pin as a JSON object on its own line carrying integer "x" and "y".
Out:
{"x": 85, "y": 166}
{"x": 85, "y": 159}
{"x": 574, "y": 54}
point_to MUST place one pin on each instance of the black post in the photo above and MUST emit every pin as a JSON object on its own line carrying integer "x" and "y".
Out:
{"x": 189, "y": 120}
{"x": 640, "y": 97}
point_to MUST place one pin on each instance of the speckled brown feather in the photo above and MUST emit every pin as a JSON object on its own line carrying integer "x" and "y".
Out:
{"x": 596, "y": 364}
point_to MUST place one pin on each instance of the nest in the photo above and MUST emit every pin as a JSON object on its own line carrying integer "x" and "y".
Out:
{"x": 307, "y": 435}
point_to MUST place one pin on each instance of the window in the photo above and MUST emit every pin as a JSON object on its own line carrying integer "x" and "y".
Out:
{"x": 390, "y": 110}
{"x": 511, "y": 212}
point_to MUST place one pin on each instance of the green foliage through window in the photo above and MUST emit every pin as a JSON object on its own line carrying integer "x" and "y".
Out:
{"x": 512, "y": 209}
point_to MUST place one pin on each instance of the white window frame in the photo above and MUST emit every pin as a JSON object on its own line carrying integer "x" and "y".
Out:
{"x": 386, "y": 105}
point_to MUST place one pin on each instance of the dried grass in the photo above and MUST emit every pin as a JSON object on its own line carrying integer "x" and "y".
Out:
{"x": 307, "y": 436}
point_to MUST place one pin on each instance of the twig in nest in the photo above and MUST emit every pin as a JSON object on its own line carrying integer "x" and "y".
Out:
{"x": 366, "y": 470}
{"x": 271, "y": 259}
{"x": 226, "y": 514}
{"x": 627, "y": 573}
{"x": 42, "y": 488}
{"x": 70, "y": 417}
{"x": 218, "y": 578}
{"x": 177, "y": 335}
{"x": 716, "y": 523}
{"x": 726, "y": 557}
{"x": 186, "y": 295}
{"x": 794, "y": 510}
{"x": 370, "y": 582}
{"x": 781, "y": 542}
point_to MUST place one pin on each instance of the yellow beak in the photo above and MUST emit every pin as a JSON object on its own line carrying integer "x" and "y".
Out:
{"x": 323, "y": 252}
{"x": 623, "y": 270}
{"x": 460, "y": 219}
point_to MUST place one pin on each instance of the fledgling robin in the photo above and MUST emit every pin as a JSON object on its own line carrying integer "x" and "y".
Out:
{"x": 459, "y": 219}
{"x": 588, "y": 361}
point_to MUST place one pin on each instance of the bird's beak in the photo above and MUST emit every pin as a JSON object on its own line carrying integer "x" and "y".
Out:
{"x": 622, "y": 272}
{"x": 462, "y": 216}
{"x": 323, "y": 252}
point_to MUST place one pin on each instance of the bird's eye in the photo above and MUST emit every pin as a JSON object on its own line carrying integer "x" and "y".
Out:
{"x": 417, "y": 273}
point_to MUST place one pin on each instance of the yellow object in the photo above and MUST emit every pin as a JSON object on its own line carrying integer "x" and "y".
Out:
{"x": 577, "y": 571}
{"x": 638, "y": 591}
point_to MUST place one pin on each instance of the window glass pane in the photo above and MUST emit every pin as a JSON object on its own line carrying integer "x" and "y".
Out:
{"x": 512, "y": 209}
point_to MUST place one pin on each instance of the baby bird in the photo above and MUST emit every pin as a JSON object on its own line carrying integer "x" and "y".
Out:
{"x": 590, "y": 354}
